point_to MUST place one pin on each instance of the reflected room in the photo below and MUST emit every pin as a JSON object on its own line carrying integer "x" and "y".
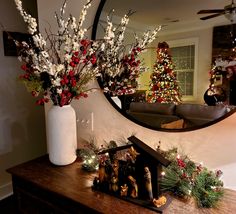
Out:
{"x": 187, "y": 75}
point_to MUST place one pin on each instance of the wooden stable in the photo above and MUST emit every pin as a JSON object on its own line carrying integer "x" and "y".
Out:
{"x": 142, "y": 158}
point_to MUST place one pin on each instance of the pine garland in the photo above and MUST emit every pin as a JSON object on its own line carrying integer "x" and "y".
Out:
{"x": 89, "y": 154}
{"x": 208, "y": 189}
{"x": 185, "y": 179}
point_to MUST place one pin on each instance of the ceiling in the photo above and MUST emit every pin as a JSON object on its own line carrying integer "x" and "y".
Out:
{"x": 174, "y": 14}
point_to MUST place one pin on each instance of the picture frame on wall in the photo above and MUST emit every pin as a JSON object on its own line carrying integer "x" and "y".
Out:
{"x": 10, "y": 48}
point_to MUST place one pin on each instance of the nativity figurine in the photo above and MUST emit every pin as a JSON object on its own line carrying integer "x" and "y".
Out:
{"x": 148, "y": 183}
{"x": 134, "y": 190}
{"x": 124, "y": 190}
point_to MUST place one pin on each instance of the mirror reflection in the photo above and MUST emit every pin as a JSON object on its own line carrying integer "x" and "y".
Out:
{"x": 189, "y": 81}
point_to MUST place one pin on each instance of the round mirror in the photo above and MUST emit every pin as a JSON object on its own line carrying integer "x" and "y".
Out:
{"x": 196, "y": 38}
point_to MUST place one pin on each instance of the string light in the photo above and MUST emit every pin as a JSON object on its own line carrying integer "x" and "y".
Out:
{"x": 163, "y": 173}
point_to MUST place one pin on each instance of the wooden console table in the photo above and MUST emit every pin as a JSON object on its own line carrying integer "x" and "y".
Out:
{"x": 42, "y": 188}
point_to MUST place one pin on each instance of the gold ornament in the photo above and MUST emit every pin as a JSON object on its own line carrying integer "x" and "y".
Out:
{"x": 160, "y": 201}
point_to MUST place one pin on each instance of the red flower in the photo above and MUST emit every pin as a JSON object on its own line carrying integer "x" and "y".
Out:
{"x": 24, "y": 67}
{"x": 184, "y": 175}
{"x": 76, "y": 53}
{"x": 65, "y": 80}
{"x": 65, "y": 97}
{"x": 76, "y": 60}
{"x": 73, "y": 82}
{"x": 218, "y": 173}
{"x": 81, "y": 95}
{"x": 84, "y": 42}
{"x": 139, "y": 49}
{"x": 93, "y": 59}
{"x": 84, "y": 95}
{"x": 84, "y": 52}
{"x": 34, "y": 93}
{"x": 63, "y": 101}
{"x": 72, "y": 64}
{"x": 71, "y": 73}
{"x": 181, "y": 163}
{"x": 39, "y": 102}
{"x": 199, "y": 168}
{"x": 62, "y": 82}
{"x": 26, "y": 76}
{"x": 42, "y": 101}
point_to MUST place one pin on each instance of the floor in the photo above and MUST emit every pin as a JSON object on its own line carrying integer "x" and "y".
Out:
{"x": 7, "y": 206}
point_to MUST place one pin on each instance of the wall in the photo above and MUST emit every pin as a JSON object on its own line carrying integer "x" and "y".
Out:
{"x": 148, "y": 57}
{"x": 22, "y": 124}
{"x": 214, "y": 146}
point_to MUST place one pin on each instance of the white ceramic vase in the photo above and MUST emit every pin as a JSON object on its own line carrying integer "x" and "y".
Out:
{"x": 61, "y": 135}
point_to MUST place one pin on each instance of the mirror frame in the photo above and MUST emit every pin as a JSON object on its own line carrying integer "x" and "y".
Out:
{"x": 93, "y": 37}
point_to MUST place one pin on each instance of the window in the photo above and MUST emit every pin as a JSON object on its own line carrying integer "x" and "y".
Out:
{"x": 184, "y": 59}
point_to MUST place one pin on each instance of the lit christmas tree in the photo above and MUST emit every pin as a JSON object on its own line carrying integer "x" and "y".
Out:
{"x": 164, "y": 86}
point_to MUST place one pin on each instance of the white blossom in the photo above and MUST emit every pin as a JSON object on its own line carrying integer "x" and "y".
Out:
{"x": 59, "y": 90}
{"x": 57, "y": 82}
{"x": 45, "y": 54}
{"x": 31, "y": 22}
{"x": 60, "y": 55}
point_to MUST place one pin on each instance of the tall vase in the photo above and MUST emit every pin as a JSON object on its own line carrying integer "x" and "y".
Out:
{"x": 61, "y": 135}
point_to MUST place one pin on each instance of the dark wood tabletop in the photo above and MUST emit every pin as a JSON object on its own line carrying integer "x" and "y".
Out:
{"x": 71, "y": 185}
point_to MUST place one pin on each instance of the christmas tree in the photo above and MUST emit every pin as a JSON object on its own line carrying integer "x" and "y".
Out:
{"x": 164, "y": 86}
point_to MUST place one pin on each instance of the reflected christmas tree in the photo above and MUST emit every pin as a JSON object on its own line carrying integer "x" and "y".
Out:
{"x": 164, "y": 86}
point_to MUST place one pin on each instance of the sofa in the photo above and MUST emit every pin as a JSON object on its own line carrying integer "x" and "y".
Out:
{"x": 169, "y": 115}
